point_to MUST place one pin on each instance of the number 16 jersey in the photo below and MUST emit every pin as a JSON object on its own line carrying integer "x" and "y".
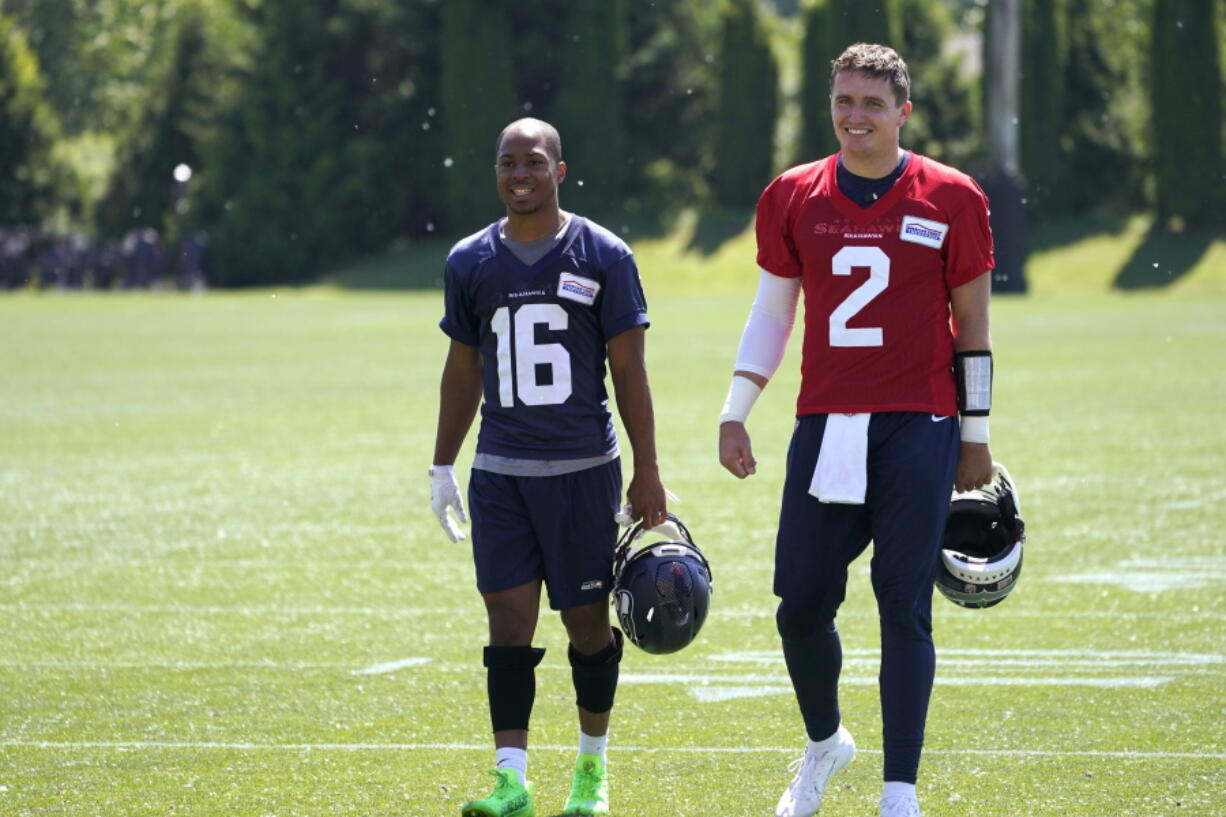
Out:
{"x": 542, "y": 330}
{"x": 876, "y": 282}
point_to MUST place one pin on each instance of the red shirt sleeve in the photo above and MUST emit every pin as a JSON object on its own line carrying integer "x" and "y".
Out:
{"x": 776, "y": 249}
{"x": 970, "y": 251}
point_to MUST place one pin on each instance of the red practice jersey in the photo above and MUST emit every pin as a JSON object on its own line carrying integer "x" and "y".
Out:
{"x": 877, "y": 282}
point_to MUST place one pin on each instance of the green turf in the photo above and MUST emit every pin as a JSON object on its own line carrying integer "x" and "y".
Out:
{"x": 214, "y": 530}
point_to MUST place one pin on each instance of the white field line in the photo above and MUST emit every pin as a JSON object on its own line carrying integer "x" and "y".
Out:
{"x": 960, "y": 656}
{"x": 1199, "y": 616}
{"x": 726, "y": 670}
{"x": 392, "y": 666}
{"x": 484, "y": 747}
{"x": 778, "y": 684}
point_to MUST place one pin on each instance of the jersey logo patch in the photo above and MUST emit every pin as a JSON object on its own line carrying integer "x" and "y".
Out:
{"x": 923, "y": 231}
{"x": 576, "y": 288}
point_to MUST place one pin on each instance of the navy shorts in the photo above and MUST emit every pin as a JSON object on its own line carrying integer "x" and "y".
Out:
{"x": 559, "y": 529}
{"x": 911, "y": 465}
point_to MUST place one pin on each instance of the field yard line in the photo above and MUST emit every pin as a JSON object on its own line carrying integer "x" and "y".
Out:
{"x": 483, "y": 747}
{"x": 765, "y": 612}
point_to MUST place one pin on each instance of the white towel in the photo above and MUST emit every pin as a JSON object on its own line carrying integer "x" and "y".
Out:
{"x": 842, "y": 465}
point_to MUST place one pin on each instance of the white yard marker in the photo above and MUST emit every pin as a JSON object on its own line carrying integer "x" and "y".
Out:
{"x": 392, "y": 666}
{"x": 569, "y": 748}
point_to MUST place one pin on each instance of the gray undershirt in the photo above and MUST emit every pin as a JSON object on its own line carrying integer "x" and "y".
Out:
{"x": 529, "y": 252}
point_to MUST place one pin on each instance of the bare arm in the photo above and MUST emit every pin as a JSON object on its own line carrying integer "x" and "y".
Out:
{"x": 459, "y": 399}
{"x": 970, "y": 304}
{"x": 628, "y": 366}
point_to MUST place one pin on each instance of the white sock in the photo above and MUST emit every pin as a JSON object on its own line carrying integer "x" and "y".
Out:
{"x": 896, "y": 788}
{"x": 509, "y": 757}
{"x": 591, "y": 745}
{"x": 818, "y": 747}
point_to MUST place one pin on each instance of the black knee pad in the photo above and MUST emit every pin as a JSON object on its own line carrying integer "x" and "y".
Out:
{"x": 595, "y": 676}
{"x": 798, "y": 622}
{"x": 511, "y": 684}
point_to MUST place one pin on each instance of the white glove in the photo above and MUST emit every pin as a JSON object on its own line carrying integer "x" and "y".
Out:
{"x": 445, "y": 497}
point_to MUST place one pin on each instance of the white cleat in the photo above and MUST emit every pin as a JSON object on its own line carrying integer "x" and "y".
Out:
{"x": 804, "y": 794}
{"x": 899, "y": 807}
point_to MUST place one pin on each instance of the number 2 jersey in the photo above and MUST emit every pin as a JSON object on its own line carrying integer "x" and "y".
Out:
{"x": 876, "y": 282}
{"x": 542, "y": 330}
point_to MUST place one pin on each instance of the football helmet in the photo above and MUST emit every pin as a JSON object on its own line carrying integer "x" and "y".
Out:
{"x": 661, "y": 589}
{"x": 981, "y": 557}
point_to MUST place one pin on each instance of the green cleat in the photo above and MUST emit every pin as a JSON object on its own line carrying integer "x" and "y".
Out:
{"x": 510, "y": 798}
{"x": 589, "y": 788}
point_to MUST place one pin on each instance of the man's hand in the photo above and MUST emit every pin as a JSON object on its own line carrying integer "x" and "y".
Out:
{"x": 646, "y": 497}
{"x": 735, "y": 450}
{"x": 445, "y": 498}
{"x": 974, "y": 467}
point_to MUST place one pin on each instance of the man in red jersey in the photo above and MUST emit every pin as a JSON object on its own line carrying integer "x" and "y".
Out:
{"x": 887, "y": 245}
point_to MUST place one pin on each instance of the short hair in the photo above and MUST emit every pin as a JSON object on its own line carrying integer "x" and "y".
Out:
{"x": 553, "y": 141}
{"x": 878, "y": 61}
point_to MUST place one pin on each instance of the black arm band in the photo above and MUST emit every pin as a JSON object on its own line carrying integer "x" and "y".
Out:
{"x": 973, "y": 375}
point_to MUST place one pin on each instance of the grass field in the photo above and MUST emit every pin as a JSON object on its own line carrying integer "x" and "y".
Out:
{"x": 223, "y": 591}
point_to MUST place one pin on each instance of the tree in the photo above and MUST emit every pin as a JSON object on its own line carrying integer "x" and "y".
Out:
{"x": 672, "y": 47}
{"x": 279, "y": 190}
{"x": 143, "y": 189}
{"x": 1042, "y": 105}
{"x": 589, "y": 109}
{"x": 477, "y": 100}
{"x": 945, "y": 122}
{"x": 748, "y": 107}
{"x": 1186, "y": 90}
{"x": 28, "y": 128}
{"x": 1099, "y": 137}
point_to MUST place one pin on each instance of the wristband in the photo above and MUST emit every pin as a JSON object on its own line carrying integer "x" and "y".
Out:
{"x": 742, "y": 394}
{"x": 975, "y": 430}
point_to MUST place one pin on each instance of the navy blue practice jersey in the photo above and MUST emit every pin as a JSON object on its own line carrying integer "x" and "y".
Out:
{"x": 542, "y": 331}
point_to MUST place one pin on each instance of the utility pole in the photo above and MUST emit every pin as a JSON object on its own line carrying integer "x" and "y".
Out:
{"x": 1004, "y": 184}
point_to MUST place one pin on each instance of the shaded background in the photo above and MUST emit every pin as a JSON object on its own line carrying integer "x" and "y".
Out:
{"x": 279, "y": 139}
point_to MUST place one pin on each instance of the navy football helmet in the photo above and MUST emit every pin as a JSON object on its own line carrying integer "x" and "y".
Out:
{"x": 661, "y": 589}
{"x": 981, "y": 557}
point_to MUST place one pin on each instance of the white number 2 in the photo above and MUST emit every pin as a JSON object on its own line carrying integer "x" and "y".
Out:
{"x": 528, "y": 355}
{"x": 878, "y": 264}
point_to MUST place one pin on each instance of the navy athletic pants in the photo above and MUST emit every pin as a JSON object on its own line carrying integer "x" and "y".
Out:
{"x": 912, "y": 458}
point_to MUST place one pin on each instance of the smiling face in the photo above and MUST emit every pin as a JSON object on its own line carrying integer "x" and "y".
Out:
{"x": 527, "y": 171}
{"x": 867, "y": 118}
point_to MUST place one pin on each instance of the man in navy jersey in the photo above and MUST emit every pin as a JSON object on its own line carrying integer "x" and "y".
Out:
{"x": 887, "y": 245}
{"x": 535, "y": 305}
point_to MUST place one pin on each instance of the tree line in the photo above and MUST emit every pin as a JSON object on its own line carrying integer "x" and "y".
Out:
{"x": 317, "y": 132}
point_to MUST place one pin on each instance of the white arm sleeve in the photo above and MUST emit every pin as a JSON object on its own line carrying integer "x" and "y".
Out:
{"x": 770, "y": 322}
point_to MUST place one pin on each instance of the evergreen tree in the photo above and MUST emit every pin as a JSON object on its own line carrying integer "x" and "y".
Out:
{"x": 476, "y": 100}
{"x": 945, "y": 121}
{"x": 1187, "y": 113}
{"x": 748, "y": 107}
{"x": 672, "y": 49}
{"x": 589, "y": 109}
{"x": 279, "y": 186}
{"x": 143, "y": 191}
{"x": 27, "y": 132}
{"x": 1042, "y": 105}
{"x": 1097, "y": 137}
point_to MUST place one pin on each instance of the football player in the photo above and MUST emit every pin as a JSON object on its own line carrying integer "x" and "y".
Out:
{"x": 886, "y": 245}
{"x": 536, "y": 305}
